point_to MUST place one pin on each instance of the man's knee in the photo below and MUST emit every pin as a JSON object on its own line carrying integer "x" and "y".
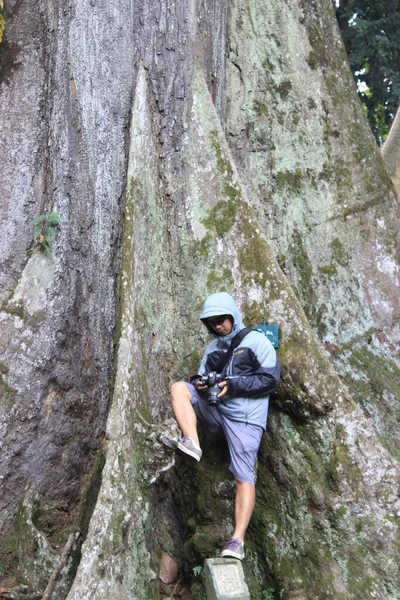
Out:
{"x": 179, "y": 390}
{"x": 244, "y": 483}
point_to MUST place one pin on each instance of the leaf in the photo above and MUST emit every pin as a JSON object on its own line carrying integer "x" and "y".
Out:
{"x": 2, "y": 27}
{"x": 45, "y": 245}
{"x": 198, "y": 571}
{"x": 37, "y": 220}
{"x": 53, "y": 218}
{"x": 51, "y": 233}
{"x": 168, "y": 569}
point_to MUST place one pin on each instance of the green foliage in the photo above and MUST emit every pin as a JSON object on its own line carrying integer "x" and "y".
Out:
{"x": 198, "y": 571}
{"x": 2, "y": 21}
{"x": 6, "y": 390}
{"x": 266, "y": 595}
{"x": 45, "y": 230}
{"x": 370, "y": 31}
{"x": 197, "y": 589}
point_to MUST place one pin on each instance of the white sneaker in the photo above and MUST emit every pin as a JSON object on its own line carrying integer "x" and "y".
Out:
{"x": 188, "y": 446}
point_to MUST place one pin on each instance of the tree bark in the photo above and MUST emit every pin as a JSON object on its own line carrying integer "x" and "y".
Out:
{"x": 48, "y": 592}
{"x": 391, "y": 152}
{"x": 192, "y": 148}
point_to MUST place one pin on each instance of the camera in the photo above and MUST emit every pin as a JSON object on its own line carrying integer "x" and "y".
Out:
{"x": 211, "y": 380}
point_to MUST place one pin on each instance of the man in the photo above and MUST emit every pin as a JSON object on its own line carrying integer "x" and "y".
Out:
{"x": 252, "y": 373}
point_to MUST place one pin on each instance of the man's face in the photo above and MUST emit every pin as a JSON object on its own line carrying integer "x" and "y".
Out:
{"x": 222, "y": 325}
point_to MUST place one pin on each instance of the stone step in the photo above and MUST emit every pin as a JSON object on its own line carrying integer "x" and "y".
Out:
{"x": 224, "y": 578}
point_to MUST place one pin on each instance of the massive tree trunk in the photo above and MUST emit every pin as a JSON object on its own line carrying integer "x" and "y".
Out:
{"x": 391, "y": 152}
{"x": 192, "y": 148}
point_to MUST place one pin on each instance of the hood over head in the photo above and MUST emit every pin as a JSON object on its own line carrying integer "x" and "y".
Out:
{"x": 222, "y": 304}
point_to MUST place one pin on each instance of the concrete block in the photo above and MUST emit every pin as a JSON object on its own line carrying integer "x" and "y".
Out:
{"x": 224, "y": 579}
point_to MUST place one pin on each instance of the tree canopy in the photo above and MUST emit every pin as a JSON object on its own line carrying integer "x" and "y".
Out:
{"x": 370, "y": 30}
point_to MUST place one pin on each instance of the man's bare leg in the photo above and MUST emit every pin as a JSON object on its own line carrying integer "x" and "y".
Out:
{"x": 244, "y": 506}
{"x": 183, "y": 410}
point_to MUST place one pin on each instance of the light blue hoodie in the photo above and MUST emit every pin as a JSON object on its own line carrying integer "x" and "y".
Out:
{"x": 222, "y": 304}
{"x": 253, "y": 365}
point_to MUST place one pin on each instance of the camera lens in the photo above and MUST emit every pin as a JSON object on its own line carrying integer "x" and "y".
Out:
{"x": 212, "y": 395}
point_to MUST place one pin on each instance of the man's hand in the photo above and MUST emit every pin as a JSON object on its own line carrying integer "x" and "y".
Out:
{"x": 202, "y": 387}
{"x": 224, "y": 388}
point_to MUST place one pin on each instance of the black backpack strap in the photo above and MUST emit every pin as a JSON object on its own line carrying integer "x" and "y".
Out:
{"x": 234, "y": 344}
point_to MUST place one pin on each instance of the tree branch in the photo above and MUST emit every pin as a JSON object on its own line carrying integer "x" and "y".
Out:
{"x": 52, "y": 581}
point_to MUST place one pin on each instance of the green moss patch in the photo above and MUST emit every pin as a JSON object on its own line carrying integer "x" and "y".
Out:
{"x": 329, "y": 270}
{"x": 305, "y": 288}
{"x": 339, "y": 252}
{"x": 14, "y": 308}
{"x": 220, "y": 280}
{"x": 8, "y": 554}
{"x": 290, "y": 179}
{"x": 222, "y": 216}
{"x": 374, "y": 381}
{"x": 7, "y": 393}
{"x": 223, "y": 163}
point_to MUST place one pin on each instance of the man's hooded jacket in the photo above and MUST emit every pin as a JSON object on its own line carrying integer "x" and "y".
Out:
{"x": 254, "y": 366}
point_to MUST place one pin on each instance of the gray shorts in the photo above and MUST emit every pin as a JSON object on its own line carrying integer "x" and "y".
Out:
{"x": 243, "y": 440}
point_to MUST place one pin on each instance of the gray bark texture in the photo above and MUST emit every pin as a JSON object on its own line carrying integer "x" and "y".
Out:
{"x": 192, "y": 147}
{"x": 391, "y": 152}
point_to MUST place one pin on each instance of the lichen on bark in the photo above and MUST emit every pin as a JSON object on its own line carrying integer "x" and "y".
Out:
{"x": 191, "y": 148}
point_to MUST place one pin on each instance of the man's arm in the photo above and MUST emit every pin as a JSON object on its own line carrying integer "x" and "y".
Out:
{"x": 264, "y": 376}
{"x": 210, "y": 362}
{"x": 261, "y": 383}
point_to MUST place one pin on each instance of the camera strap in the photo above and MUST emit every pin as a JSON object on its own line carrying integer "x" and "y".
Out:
{"x": 234, "y": 344}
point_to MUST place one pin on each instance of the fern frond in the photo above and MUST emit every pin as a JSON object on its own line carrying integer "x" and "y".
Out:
{"x": 53, "y": 218}
{"x": 36, "y": 232}
{"x": 37, "y": 220}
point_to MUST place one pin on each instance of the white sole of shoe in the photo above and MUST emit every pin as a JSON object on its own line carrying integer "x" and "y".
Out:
{"x": 189, "y": 452}
{"x": 229, "y": 554}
